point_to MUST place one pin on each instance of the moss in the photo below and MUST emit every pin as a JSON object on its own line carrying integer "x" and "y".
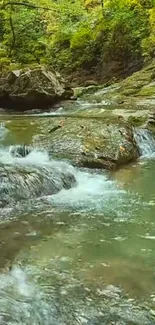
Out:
{"x": 139, "y": 84}
{"x": 80, "y": 91}
{"x": 76, "y": 35}
{"x": 4, "y": 64}
{"x": 106, "y": 116}
{"x": 133, "y": 84}
{"x": 137, "y": 120}
{"x": 130, "y": 91}
{"x": 147, "y": 91}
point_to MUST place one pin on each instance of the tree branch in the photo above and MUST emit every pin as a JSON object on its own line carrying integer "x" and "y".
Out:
{"x": 25, "y": 5}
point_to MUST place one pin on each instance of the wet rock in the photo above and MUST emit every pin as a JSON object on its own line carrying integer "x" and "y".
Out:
{"x": 92, "y": 143}
{"x": 151, "y": 119}
{"x": 88, "y": 89}
{"x": 20, "y": 151}
{"x": 32, "y": 88}
{"x": 90, "y": 82}
{"x": 26, "y": 182}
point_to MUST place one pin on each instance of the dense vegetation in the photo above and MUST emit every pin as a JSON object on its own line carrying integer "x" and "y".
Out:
{"x": 75, "y": 35}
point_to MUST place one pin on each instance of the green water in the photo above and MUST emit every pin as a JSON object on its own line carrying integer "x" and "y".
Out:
{"x": 84, "y": 255}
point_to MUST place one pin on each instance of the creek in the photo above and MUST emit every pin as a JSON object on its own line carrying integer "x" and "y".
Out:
{"x": 76, "y": 245}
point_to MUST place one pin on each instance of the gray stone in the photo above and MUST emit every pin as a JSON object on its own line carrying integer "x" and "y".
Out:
{"x": 32, "y": 88}
{"x": 90, "y": 142}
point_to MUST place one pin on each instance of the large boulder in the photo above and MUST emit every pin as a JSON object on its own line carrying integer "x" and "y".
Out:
{"x": 91, "y": 142}
{"x": 32, "y": 88}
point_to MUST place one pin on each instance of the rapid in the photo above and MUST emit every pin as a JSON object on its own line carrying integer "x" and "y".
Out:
{"x": 76, "y": 245}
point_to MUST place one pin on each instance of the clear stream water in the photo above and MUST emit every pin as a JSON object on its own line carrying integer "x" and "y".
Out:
{"x": 84, "y": 255}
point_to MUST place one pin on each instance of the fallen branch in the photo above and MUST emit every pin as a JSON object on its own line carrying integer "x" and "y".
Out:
{"x": 57, "y": 127}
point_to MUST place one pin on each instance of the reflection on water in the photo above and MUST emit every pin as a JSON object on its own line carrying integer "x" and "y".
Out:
{"x": 84, "y": 255}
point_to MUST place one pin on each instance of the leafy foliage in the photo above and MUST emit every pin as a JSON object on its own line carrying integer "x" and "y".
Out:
{"x": 77, "y": 34}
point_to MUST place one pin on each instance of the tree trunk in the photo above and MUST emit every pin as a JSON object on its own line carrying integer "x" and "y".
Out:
{"x": 12, "y": 46}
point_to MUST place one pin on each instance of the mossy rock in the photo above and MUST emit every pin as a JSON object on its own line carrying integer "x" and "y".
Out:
{"x": 137, "y": 120}
{"x": 140, "y": 84}
{"x": 90, "y": 142}
{"x": 81, "y": 91}
{"x": 147, "y": 91}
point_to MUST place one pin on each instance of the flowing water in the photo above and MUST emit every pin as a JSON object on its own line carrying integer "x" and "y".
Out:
{"x": 76, "y": 246}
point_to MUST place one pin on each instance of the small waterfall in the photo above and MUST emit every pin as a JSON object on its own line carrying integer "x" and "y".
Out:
{"x": 27, "y": 173}
{"x": 20, "y": 150}
{"x": 146, "y": 142}
{"x": 93, "y": 191}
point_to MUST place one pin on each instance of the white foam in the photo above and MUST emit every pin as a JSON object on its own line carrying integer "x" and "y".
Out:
{"x": 85, "y": 104}
{"x": 17, "y": 278}
{"x": 22, "y": 300}
{"x": 3, "y": 131}
{"x": 146, "y": 142}
{"x": 92, "y": 191}
{"x": 36, "y": 157}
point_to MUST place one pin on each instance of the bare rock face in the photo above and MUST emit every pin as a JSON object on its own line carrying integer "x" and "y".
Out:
{"x": 27, "y": 89}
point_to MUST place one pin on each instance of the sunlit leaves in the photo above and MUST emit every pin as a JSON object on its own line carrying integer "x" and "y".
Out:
{"x": 76, "y": 31}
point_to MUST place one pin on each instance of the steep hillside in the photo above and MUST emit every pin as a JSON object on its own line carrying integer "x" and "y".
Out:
{"x": 85, "y": 39}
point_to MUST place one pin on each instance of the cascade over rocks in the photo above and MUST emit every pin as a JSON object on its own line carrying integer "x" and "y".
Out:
{"x": 20, "y": 181}
{"x": 32, "y": 88}
{"x": 20, "y": 151}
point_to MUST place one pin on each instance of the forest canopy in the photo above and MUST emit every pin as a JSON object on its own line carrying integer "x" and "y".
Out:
{"x": 76, "y": 34}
